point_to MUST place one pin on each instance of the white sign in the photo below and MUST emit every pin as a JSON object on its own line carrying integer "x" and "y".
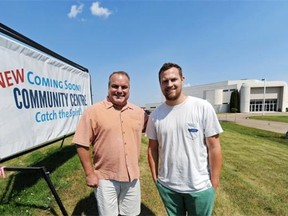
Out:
{"x": 41, "y": 98}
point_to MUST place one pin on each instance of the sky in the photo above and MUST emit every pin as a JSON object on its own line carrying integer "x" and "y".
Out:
{"x": 211, "y": 40}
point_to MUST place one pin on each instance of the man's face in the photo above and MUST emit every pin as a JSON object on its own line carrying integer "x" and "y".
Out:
{"x": 171, "y": 84}
{"x": 119, "y": 90}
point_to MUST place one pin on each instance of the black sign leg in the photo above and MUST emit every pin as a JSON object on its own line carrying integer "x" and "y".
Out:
{"x": 58, "y": 200}
{"x": 47, "y": 179}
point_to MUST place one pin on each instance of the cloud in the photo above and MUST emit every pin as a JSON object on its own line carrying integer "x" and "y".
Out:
{"x": 97, "y": 10}
{"x": 187, "y": 85}
{"x": 75, "y": 10}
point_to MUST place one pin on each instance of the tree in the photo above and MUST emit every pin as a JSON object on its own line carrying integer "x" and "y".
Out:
{"x": 235, "y": 101}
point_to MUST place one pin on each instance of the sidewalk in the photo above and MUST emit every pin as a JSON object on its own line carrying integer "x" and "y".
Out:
{"x": 243, "y": 119}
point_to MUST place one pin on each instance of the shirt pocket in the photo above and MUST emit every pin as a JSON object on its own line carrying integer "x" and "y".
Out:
{"x": 192, "y": 130}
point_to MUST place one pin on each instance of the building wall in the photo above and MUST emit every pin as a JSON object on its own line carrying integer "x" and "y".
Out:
{"x": 151, "y": 106}
{"x": 253, "y": 94}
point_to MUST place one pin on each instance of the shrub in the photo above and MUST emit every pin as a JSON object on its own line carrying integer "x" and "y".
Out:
{"x": 235, "y": 102}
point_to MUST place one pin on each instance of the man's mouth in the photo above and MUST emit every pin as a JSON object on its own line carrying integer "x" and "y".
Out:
{"x": 170, "y": 90}
{"x": 119, "y": 96}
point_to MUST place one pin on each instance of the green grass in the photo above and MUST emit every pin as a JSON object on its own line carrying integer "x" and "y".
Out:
{"x": 254, "y": 179}
{"x": 254, "y": 176}
{"x": 277, "y": 118}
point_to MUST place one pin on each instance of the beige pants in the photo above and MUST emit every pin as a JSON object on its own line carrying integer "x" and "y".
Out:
{"x": 114, "y": 198}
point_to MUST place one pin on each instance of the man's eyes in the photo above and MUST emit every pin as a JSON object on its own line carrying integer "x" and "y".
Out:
{"x": 172, "y": 80}
{"x": 122, "y": 87}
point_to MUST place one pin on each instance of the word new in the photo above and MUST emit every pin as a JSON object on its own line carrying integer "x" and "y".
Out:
{"x": 11, "y": 77}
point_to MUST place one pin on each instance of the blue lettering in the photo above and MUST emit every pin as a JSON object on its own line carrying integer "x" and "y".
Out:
{"x": 61, "y": 84}
{"x": 43, "y": 81}
{"x": 72, "y": 86}
{"x": 28, "y": 77}
{"x": 47, "y": 116}
{"x": 78, "y": 100}
{"x": 16, "y": 93}
{"x": 29, "y": 98}
{"x": 24, "y": 95}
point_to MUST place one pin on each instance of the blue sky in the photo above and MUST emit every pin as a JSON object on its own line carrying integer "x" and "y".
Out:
{"x": 212, "y": 41}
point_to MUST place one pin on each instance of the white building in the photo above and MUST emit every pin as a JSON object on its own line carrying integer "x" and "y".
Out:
{"x": 151, "y": 106}
{"x": 253, "y": 95}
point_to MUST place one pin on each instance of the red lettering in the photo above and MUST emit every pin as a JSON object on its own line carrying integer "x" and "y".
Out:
{"x": 10, "y": 78}
{"x": 2, "y": 81}
{"x": 19, "y": 76}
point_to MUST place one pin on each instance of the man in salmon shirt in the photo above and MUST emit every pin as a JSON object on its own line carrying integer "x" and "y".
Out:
{"x": 113, "y": 127}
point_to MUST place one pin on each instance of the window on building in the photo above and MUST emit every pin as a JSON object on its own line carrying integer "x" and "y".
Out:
{"x": 257, "y": 105}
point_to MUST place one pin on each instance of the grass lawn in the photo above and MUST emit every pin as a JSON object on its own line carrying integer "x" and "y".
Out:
{"x": 277, "y": 118}
{"x": 254, "y": 176}
{"x": 254, "y": 179}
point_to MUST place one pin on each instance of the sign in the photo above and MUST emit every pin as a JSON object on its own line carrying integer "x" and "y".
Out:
{"x": 41, "y": 97}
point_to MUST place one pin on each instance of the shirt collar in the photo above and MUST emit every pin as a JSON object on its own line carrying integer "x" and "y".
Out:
{"x": 109, "y": 104}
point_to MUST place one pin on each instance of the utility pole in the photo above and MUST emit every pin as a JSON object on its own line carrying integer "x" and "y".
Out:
{"x": 264, "y": 94}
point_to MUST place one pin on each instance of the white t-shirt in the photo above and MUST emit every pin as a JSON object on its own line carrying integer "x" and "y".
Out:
{"x": 180, "y": 131}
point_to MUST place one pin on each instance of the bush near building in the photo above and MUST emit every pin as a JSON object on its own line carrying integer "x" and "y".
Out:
{"x": 235, "y": 102}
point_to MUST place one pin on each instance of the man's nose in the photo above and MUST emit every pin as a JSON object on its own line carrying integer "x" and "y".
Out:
{"x": 119, "y": 89}
{"x": 169, "y": 83}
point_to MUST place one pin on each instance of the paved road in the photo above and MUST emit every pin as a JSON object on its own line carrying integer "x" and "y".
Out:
{"x": 243, "y": 119}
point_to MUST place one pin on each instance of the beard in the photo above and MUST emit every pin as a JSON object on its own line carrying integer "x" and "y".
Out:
{"x": 172, "y": 96}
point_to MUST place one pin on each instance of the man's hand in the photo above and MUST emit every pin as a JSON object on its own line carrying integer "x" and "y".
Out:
{"x": 92, "y": 180}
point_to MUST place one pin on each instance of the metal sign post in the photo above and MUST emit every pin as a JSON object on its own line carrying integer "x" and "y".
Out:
{"x": 45, "y": 174}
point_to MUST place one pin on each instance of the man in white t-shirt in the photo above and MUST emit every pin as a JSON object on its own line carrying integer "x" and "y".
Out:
{"x": 184, "y": 150}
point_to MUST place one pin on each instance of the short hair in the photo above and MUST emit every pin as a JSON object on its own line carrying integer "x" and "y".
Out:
{"x": 167, "y": 66}
{"x": 118, "y": 72}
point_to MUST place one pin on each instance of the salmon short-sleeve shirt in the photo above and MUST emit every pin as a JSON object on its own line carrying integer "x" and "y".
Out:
{"x": 116, "y": 139}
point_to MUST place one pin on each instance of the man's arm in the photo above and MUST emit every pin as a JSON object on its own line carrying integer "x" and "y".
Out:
{"x": 85, "y": 158}
{"x": 153, "y": 158}
{"x": 146, "y": 118}
{"x": 215, "y": 158}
